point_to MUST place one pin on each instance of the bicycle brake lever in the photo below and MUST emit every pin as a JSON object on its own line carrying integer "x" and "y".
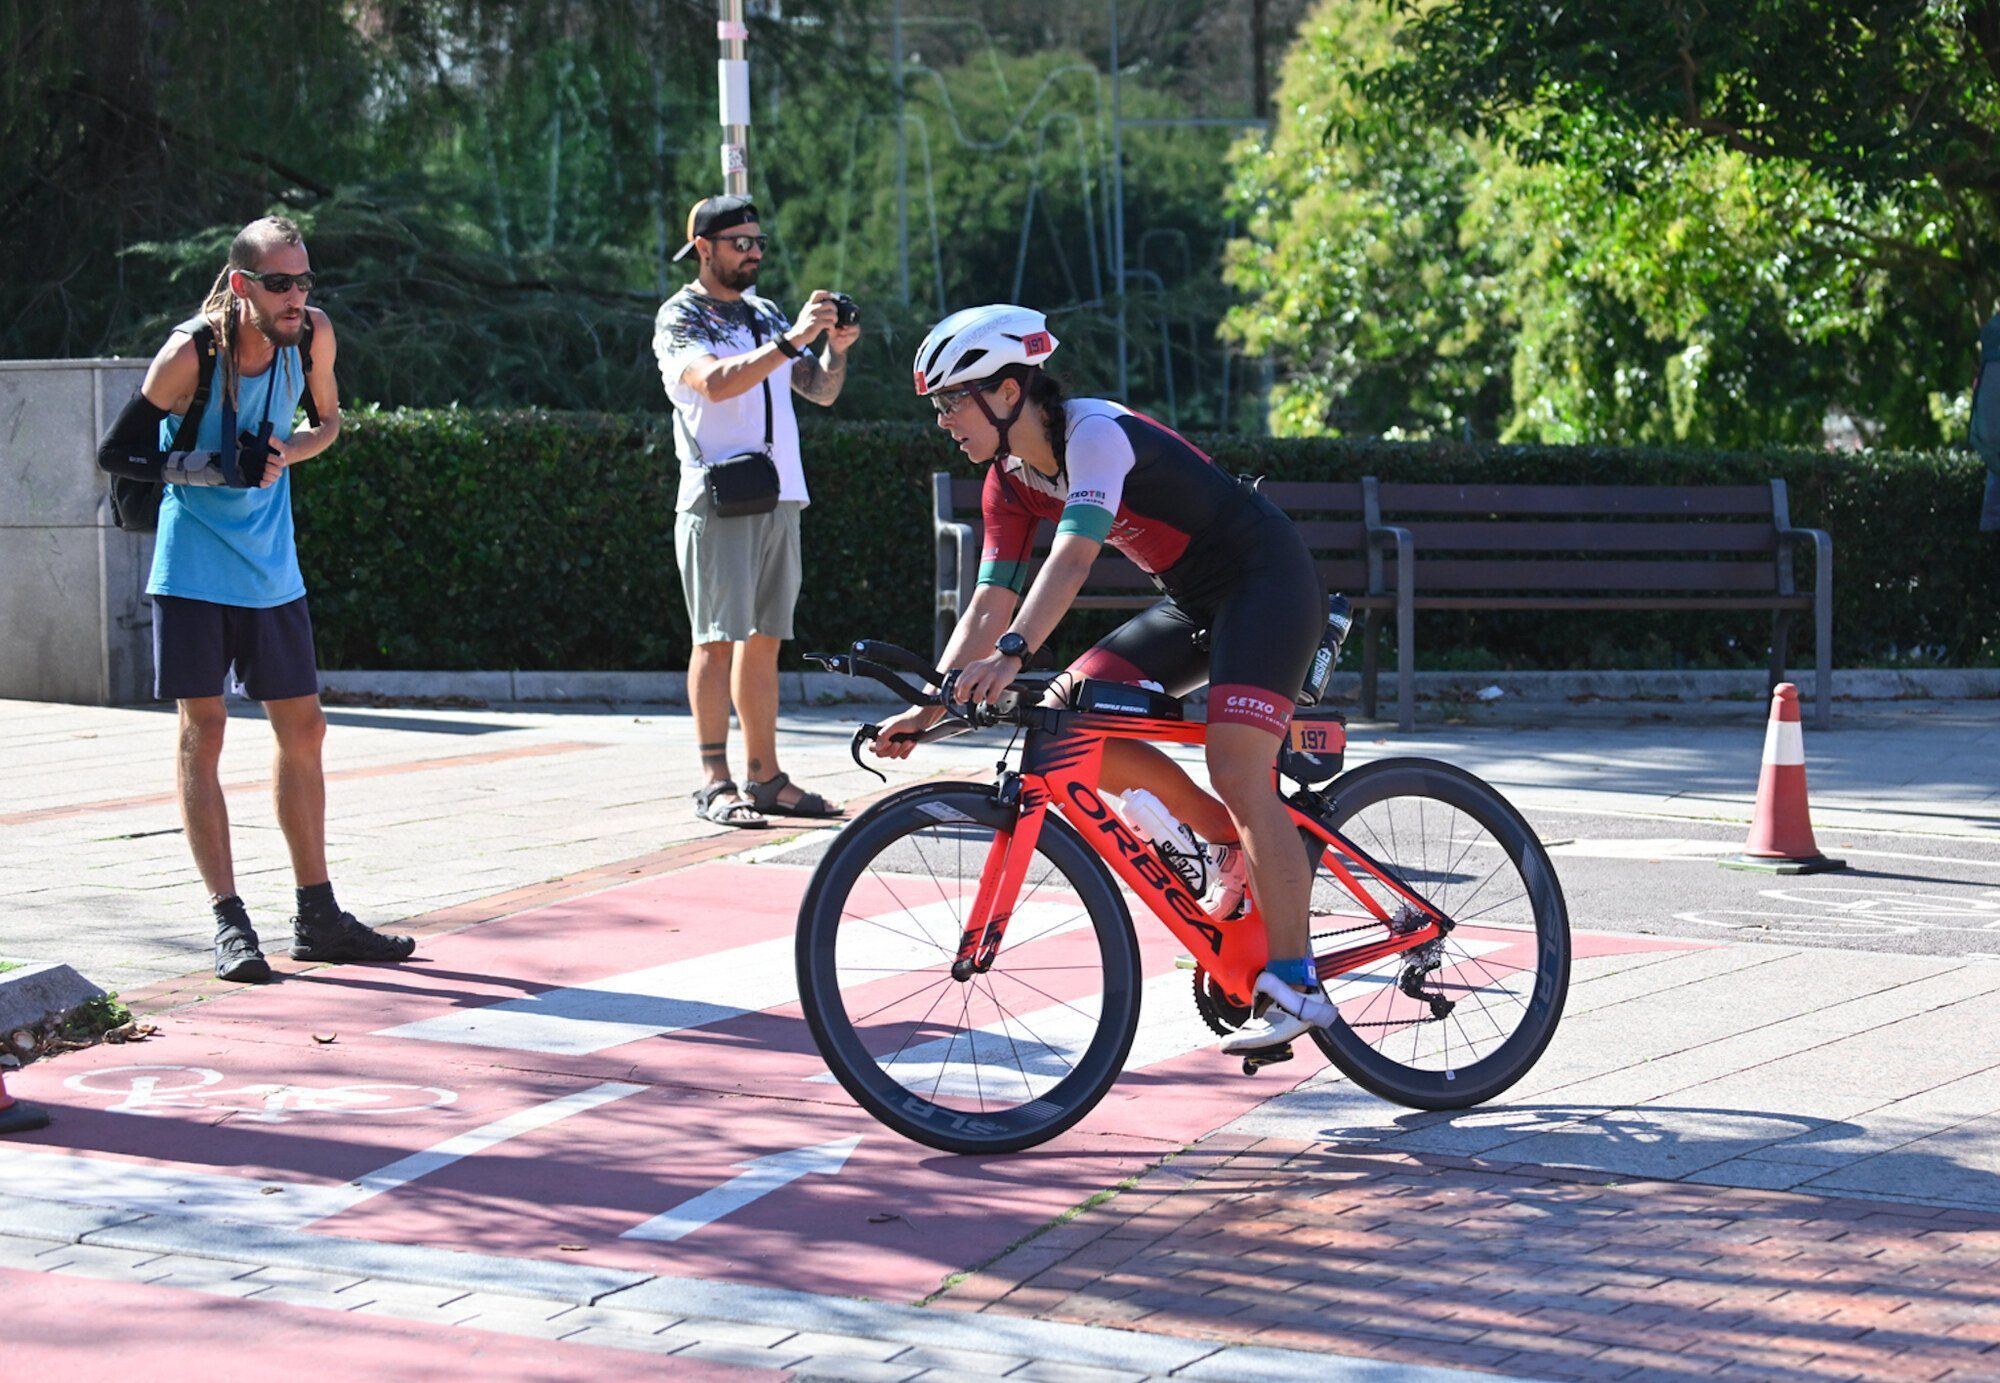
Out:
{"x": 862, "y": 736}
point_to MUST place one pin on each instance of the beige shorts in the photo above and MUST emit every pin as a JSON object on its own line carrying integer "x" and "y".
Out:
{"x": 741, "y": 575}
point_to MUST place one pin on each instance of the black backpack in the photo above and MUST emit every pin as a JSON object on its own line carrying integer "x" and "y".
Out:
{"x": 135, "y": 504}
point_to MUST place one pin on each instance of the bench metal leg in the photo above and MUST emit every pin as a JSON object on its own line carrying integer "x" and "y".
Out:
{"x": 1823, "y": 655}
{"x": 1371, "y": 632}
{"x": 1406, "y": 667}
{"x": 1781, "y": 641}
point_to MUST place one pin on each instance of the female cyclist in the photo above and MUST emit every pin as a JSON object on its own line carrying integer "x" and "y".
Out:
{"x": 1226, "y": 559}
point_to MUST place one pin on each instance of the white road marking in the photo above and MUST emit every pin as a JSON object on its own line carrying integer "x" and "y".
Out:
{"x": 759, "y": 1178}
{"x": 694, "y": 993}
{"x": 140, "y": 1186}
{"x": 1042, "y": 1045}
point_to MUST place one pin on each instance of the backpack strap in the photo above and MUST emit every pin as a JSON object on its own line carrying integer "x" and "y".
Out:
{"x": 306, "y": 365}
{"x": 204, "y": 344}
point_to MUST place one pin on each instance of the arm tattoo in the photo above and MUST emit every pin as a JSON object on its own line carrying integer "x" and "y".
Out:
{"x": 820, "y": 380}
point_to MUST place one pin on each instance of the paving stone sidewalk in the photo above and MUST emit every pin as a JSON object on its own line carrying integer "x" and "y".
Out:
{"x": 1534, "y": 1271}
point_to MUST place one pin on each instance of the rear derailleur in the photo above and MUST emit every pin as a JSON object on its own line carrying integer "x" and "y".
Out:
{"x": 1418, "y": 966}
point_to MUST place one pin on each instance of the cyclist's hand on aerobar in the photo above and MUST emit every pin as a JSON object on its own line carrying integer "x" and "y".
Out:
{"x": 815, "y": 319}
{"x": 983, "y": 682}
{"x": 912, "y": 722}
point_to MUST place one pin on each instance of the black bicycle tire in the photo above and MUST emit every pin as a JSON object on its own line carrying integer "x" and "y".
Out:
{"x": 1493, "y": 1074}
{"x": 1023, "y": 1126}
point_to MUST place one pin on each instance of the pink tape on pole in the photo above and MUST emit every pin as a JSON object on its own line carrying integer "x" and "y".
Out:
{"x": 725, "y": 30}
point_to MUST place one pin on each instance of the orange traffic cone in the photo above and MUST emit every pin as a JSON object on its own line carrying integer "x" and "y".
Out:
{"x": 16, "y": 1117}
{"x": 1781, "y": 833}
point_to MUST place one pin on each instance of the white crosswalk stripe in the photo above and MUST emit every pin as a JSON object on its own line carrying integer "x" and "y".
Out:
{"x": 694, "y": 993}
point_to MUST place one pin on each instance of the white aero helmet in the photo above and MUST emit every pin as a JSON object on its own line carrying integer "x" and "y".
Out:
{"x": 979, "y": 342}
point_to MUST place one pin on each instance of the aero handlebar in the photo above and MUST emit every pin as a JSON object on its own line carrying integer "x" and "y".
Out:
{"x": 892, "y": 666}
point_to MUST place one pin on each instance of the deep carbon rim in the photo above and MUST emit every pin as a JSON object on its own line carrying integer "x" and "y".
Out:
{"x": 1005, "y": 1061}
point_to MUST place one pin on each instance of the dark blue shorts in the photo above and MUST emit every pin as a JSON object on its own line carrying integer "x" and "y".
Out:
{"x": 196, "y": 641}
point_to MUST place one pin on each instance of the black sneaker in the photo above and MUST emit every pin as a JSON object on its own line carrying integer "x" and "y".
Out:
{"x": 344, "y": 939}
{"x": 236, "y": 955}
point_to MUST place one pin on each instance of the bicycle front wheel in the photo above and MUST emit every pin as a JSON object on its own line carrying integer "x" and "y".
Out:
{"x": 1461, "y": 1019}
{"x": 995, "y": 1063}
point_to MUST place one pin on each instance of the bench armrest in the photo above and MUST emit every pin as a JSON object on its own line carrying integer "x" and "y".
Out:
{"x": 1822, "y": 541}
{"x": 954, "y": 544}
{"x": 1399, "y": 539}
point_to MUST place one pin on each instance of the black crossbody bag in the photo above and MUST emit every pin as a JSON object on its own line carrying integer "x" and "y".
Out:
{"x": 746, "y": 483}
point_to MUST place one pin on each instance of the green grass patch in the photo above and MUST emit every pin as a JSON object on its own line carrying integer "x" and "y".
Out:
{"x": 91, "y": 1020}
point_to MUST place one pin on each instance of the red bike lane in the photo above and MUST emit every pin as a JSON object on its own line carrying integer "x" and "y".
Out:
{"x": 620, "y": 1080}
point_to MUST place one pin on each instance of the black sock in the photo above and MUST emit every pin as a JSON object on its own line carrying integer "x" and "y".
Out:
{"x": 316, "y": 903}
{"x": 230, "y": 912}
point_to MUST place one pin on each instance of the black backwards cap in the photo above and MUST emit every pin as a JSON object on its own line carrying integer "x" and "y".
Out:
{"x": 712, "y": 216}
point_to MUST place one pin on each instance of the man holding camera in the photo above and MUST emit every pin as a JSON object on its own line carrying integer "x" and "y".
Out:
{"x": 209, "y": 437}
{"x": 731, "y": 362}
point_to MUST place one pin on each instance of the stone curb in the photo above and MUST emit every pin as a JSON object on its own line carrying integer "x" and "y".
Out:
{"x": 1103, "y": 1346}
{"x": 825, "y": 688}
{"x": 33, "y": 995}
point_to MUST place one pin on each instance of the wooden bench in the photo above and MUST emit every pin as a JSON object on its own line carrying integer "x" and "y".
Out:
{"x": 1614, "y": 547}
{"x": 1369, "y": 564}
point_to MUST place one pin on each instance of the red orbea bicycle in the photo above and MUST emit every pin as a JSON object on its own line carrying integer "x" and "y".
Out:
{"x": 971, "y": 974}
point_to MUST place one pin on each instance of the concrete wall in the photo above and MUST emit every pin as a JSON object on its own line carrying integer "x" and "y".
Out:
{"x": 75, "y": 623}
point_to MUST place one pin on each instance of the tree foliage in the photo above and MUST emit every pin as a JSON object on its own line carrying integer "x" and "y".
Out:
{"x": 1699, "y": 225}
{"x": 491, "y": 189}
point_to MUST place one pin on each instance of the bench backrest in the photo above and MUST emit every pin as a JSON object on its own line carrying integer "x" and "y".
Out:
{"x": 1329, "y": 515}
{"x": 1600, "y": 539}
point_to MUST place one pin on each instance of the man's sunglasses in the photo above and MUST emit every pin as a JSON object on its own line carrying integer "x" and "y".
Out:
{"x": 743, "y": 244}
{"x": 282, "y": 283}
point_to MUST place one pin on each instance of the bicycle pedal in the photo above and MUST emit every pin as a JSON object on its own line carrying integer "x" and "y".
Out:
{"x": 1253, "y": 1062}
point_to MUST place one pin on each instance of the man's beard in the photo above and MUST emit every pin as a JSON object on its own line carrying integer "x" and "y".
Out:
{"x": 741, "y": 277}
{"x": 280, "y": 337}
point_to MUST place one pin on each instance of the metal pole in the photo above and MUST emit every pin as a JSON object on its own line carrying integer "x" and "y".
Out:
{"x": 902, "y": 165}
{"x": 1118, "y": 203}
{"x": 733, "y": 85}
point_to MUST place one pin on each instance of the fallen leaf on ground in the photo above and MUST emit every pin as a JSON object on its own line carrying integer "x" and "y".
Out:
{"x": 571, "y": 1248}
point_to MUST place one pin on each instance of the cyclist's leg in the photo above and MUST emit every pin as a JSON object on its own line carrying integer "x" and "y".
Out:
{"x": 1262, "y": 638}
{"x": 1158, "y": 646}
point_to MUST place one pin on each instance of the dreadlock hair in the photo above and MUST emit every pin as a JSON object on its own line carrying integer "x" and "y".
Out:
{"x": 1045, "y": 392}
{"x": 220, "y": 308}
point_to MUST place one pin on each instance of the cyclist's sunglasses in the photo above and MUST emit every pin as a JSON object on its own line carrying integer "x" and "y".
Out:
{"x": 742, "y": 244}
{"x": 949, "y": 401}
{"x": 283, "y": 283}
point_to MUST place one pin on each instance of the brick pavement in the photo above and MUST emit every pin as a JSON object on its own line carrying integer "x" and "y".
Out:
{"x": 1535, "y": 1271}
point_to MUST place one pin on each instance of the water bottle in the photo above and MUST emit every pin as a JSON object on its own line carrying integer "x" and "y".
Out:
{"x": 1174, "y": 841}
{"x": 1339, "y": 619}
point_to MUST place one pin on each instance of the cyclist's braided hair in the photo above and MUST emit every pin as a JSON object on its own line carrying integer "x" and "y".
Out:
{"x": 221, "y": 309}
{"x": 1046, "y": 393}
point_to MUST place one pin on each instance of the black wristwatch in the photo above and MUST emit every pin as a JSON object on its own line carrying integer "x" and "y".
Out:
{"x": 786, "y": 348}
{"x": 1014, "y": 646}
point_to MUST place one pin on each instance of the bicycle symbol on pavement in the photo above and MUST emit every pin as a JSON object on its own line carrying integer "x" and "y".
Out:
{"x": 1834, "y": 912}
{"x": 161, "y": 1090}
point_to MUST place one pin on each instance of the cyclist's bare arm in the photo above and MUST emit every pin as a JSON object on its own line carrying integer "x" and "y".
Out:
{"x": 1049, "y": 599}
{"x": 979, "y": 628}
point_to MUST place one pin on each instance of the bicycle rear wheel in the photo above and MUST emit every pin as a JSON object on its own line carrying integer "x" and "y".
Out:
{"x": 1461, "y": 1019}
{"x": 999, "y": 1062}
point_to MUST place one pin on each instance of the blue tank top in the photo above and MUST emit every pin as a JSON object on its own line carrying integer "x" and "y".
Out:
{"x": 228, "y": 546}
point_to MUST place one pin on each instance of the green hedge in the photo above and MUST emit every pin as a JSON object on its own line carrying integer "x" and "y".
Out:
{"x": 457, "y": 539}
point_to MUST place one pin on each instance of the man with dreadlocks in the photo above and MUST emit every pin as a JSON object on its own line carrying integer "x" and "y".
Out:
{"x": 225, "y": 584}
